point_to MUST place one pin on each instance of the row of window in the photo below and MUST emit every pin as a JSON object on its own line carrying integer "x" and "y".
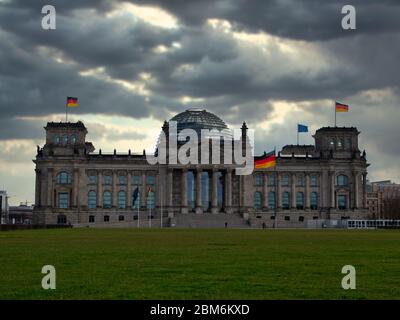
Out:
{"x": 65, "y": 178}
{"x": 122, "y": 179}
{"x": 285, "y": 201}
{"x": 285, "y": 180}
{"x": 63, "y": 200}
{"x": 341, "y": 180}
{"x": 65, "y": 139}
{"x": 339, "y": 143}
{"x": 121, "y": 200}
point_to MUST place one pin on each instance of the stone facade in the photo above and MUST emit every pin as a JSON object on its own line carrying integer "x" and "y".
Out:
{"x": 325, "y": 181}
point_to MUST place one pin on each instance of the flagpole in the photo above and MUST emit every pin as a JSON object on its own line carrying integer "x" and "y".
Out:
{"x": 138, "y": 207}
{"x": 66, "y": 111}
{"x": 276, "y": 189}
{"x": 334, "y": 109}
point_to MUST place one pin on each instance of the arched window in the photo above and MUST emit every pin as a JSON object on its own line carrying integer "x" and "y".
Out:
{"x": 151, "y": 200}
{"x": 342, "y": 180}
{"x": 314, "y": 201}
{"x": 258, "y": 180}
{"x": 92, "y": 199}
{"x": 285, "y": 200}
{"x": 271, "y": 200}
{"x": 300, "y": 200}
{"x": 121, "y": 200}
{"x": 63, "y": 178}
{"x": 56, "y": 139}
{"x": 257, "y": 200}
{"x": 107, "y": 199}
{"x": 65, "y": 139}
{"x": 73, "y": 139}
{"x": 285, "y": 180}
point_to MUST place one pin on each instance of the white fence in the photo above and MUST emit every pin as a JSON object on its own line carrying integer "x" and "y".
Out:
{"x": 372, "y": 224}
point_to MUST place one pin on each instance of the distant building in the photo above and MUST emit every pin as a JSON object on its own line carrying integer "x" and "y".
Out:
{"x": 3, "y": 207}
{"x": 21, "y": 214}
{"x": 377, "y": 193}
{"x": 324, "y": 182}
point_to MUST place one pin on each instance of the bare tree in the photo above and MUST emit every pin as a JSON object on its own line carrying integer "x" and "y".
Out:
{"x": 391, "y": 208}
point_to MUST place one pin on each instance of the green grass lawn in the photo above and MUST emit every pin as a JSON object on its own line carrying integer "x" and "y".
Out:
{"x": 199, "y": 264}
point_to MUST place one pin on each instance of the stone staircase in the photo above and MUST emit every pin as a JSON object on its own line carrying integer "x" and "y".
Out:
{"x": 208, "y": 220}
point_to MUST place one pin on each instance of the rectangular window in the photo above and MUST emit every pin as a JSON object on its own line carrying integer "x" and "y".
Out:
{"x": 300, "y": 181}
{"x": 314, "y": 181}
{"x": 150, "y": 180}
{"x": 285, "y": 180}
{"x": 122, "y": 179}
{"x": 107, "y": 179}
{"x": 106, "y": 218}
{"x": 258, "y": 180}
{"x": 136, "y": 180}
{"x": 63, "y": 200}
{"x": 271, "y": 180}
{"x": 91, "y": 219}
{"x": 92, "y": 179}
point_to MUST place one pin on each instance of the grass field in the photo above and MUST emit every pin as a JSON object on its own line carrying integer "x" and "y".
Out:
{"x": 199, "y": 264}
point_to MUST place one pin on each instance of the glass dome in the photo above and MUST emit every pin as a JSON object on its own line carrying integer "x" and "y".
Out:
{"x": 198, "y": 119}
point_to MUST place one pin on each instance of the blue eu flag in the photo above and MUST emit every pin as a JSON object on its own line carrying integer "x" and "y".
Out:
{"x": 302, "y": 128}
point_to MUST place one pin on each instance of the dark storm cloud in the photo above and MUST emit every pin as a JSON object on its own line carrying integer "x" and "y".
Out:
{"x": 234, "y": 80}
{"x": 296, "y": 19}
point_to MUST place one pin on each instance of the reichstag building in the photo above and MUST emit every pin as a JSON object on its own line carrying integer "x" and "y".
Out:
{"x": 311, "y": 185}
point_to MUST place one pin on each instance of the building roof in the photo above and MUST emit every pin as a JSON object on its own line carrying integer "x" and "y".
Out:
{"x": 337, "y": 129}
{"x": 60, "y": 124}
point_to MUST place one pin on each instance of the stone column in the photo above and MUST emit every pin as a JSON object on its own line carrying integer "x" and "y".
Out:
{"x": 278, "y": 190}
{"x": 364, "y": 190}
{"x": 99, "y": 189}
{"x": 228, "y": 191}
{"x": 37, "y": 189}
{"x": 265, "y": 191}
{"x": 355, "y": 192}
{"x": 143, "y": 191}
{"x": 322, "y": 183}
{"x": 114, "y": 189}
{"x": 199, "y": 207}
{"x": 293, "y": 191}
{"x": 214, "y": 191}
{"x": 184, "y": 200}
{"x": 332, "y": 197}
{"x": 75, "y": 188}
{"x": 170, "y": 193}
{"x": 129, "y": 203}
{"x": 307, "y": 193}
{"x": 170, "y": 188}
{"x": 49, "y": 194}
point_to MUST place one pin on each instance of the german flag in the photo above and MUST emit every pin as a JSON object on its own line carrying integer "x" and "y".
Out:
{"x": 72, "y": 102}
{"x": 265, "y": 161}
{"x": 340, "y": 107}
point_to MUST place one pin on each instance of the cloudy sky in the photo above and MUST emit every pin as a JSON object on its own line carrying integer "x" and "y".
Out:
{"x": 133, "y": 64}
